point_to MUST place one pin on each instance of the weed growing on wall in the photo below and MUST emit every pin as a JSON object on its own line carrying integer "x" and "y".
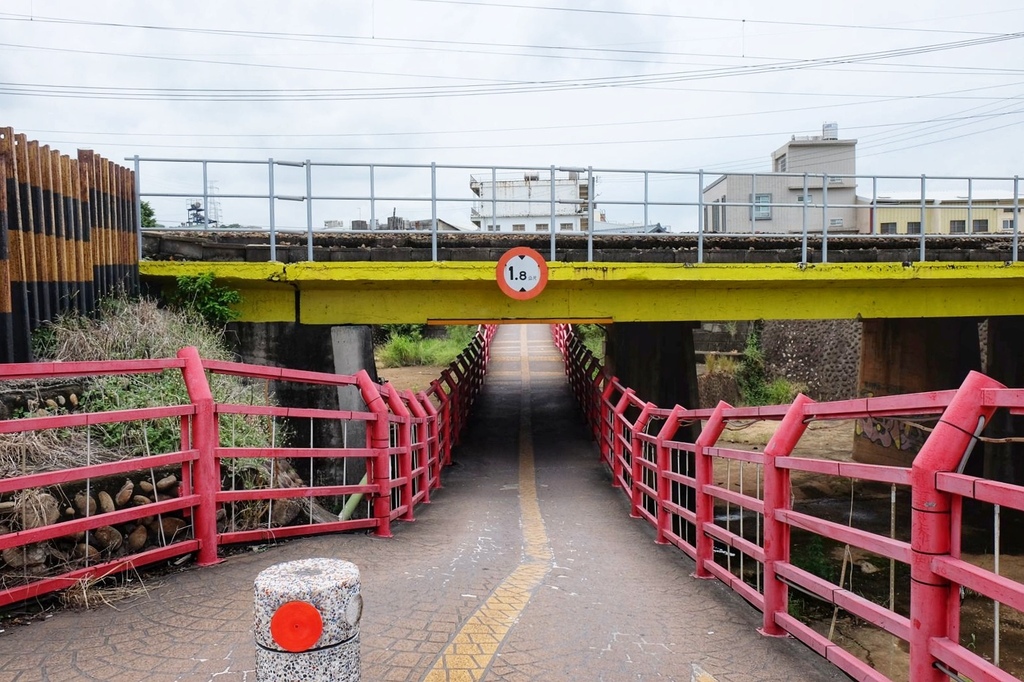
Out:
{"x": 204, "y": 298}
{"x": 757, "y": 386}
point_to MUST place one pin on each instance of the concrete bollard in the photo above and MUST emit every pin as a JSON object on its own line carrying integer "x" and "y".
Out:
{"x": 307, "y": 621}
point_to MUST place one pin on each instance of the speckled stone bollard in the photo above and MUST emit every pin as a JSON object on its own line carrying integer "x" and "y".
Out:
{"x": 307, "y": 622}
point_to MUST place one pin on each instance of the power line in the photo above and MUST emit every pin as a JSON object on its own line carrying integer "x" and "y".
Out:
{"x": 417, "y": 92}
{"x": 694, "y": 17}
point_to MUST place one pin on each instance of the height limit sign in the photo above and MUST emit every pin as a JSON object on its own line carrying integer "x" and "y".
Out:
{"x": 522, "y": 273}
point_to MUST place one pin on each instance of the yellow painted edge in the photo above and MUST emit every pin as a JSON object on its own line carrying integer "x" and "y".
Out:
{"x": 384, "y": 274}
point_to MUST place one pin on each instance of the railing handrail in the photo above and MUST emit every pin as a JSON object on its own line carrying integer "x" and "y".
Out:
{"x": 642, "y": 470}
{"x": 811, "y": 211}
{"x": 428, "y": 433}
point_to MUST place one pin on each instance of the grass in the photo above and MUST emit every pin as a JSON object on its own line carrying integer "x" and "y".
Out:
{"x": 411, "y": 349}
{"x": 129, "y": 329}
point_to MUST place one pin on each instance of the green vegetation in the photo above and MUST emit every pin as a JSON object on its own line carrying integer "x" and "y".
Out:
{"x": 202, "y": 297}
{"x": 148, "y": 215}
{"x": 406, "y": 346}
{"x": 593, "y": 338}
{"x": 137, "y": 329}
{"x": 757, "y": 386}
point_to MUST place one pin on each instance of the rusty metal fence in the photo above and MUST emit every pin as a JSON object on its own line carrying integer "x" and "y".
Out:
{"x": 68, "y": 236}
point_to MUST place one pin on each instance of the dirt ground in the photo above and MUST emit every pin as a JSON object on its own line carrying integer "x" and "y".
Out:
{"x": 415, "y": 378}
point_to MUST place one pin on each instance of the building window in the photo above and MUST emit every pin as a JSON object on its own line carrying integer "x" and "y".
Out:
{"x": 1008, "y": 225}
{"x": 980, "y": 225}
{"x": 781, "y": 164}
{"x": 519, "y": 227}
{"x": 887, "y": 228}
{"x": 762, "y": 208}
{"x": 957, "y": 226}
{"x": 914, "y": 227}
{"x": 835, "y": 180}
{"x": 542, "y": 227}
{"x": 565, "y": 226}
{"x": 835, "y": 222}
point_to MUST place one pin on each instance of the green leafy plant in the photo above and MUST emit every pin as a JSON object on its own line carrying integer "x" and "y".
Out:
{"x": 757, "y": 385}
{"x": 135, "y": 329}
{"x": 148, "y": 215}
{"x": 202, "y": 296}
{"x": 411, "y": 349}
{"x": 593, "y": 337}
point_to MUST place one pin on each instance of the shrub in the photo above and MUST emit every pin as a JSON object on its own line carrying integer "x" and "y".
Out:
{"x": 135, "y": 329}
{"x": 207, "y": 300}
{"x": 410, "y": 350}
{"x": 757, "y": 386}
{"x": 593, "y": 337}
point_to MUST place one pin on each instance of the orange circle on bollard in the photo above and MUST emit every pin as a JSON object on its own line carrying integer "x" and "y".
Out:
{"x": 296, "y": 626}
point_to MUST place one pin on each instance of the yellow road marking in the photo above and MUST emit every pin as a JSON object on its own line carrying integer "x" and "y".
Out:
{"x": 471, "y": 651}
{"x": 700, "y": 675}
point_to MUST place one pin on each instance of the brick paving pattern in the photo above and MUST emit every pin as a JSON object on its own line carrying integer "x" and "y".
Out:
{"x": 608, "y": 604}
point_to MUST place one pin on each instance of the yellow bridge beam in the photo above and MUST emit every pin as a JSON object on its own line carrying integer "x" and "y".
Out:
{"x": 373, "y": 292}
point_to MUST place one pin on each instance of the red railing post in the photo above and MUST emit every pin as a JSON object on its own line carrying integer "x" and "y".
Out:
{"x": 399, "y": 409}
{"x": 444, "y": 422}
{"x": 433, "y": 439}
{"x": 606, "y": 411}
{"x": 379, "y": 465}
{"x": 704, "y": 472}
{"x": 933, "y": 615}
{"x": 636, "y": 447}
{"x": 668, "y": 429}
{"x": 617, "y": 445}
{"x": 205, "y": 439}
{"x": 422, "y": 445}
{"x": 776, "y": 496}
{"x": 454, "y": 406}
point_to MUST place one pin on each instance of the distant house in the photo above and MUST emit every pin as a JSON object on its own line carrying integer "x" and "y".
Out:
{"x": 522, "y": 202}
{"x": 396, "y": 223}
{"x": 944, "y": 213}
{"x": 775, "y": 201}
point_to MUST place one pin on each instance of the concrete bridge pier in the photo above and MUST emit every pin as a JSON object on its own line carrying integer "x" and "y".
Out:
{"x": 909, "y": 355}
{"x": 1003, "y": 461}
{"x": 319, "y": 348}
{"x": 657, "y": 360}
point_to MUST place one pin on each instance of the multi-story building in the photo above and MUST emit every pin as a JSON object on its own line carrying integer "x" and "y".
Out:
{"x": 521, "y": 202}
{"x": 982, "y": 212}
{"x": 810, "y": 176}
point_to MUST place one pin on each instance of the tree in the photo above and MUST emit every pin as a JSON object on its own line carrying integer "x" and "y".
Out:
{"x": 148, "y": 216}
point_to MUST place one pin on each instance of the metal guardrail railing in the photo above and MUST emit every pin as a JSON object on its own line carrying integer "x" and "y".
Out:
{"x": 558, "y": 200}
{"x": 410, "y": 437}
{"x": 685, "y": 489}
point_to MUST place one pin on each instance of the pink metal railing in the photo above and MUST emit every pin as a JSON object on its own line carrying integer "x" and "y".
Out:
{"x": 671, "y": 484}
{"x": 409, "y": 441}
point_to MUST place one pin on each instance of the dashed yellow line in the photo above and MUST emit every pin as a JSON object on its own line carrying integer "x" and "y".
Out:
{"x": 470, "y": 653}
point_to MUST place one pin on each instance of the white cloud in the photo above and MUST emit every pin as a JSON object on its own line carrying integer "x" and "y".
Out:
{"x": 381, "y": 48}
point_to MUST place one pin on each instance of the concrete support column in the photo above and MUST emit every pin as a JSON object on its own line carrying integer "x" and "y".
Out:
{"x": 318, "y": 348}
{"x": 1002, "y": 461}
{"x": 656, "y": 359}
{"x": 909, "y": 355}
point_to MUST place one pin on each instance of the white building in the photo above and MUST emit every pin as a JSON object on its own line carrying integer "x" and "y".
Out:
{"x": 522, "y": 202}
{"x": 773, "y": 202}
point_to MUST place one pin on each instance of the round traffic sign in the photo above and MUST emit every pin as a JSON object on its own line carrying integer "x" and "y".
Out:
{"x": 522, "y": 273}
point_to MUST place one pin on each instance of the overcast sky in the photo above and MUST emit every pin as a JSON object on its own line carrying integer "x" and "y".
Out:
{"x": 935, "y": 88}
